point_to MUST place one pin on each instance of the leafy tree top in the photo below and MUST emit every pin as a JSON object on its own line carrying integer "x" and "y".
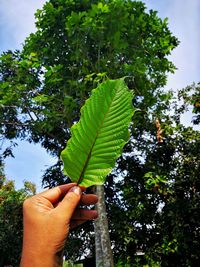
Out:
{"x": 76, "y": 45}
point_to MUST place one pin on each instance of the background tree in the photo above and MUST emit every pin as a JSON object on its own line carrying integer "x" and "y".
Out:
{"x": 159, "y": 195}
{"x": 11, "y": 219}
{"x": 190, "y": 98}
{"x": 78, "y": 44}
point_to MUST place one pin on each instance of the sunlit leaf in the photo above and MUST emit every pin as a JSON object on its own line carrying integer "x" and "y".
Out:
{"x": 98, "y": 138}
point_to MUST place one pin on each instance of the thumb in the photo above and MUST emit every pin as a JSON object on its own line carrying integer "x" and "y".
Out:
{"x": 69, "y": 203}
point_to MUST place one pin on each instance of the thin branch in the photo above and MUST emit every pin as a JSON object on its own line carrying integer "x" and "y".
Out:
{"x": 14, "y": 123}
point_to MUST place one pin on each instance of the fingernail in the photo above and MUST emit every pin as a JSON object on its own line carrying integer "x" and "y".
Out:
{"x": 76, "y": 190}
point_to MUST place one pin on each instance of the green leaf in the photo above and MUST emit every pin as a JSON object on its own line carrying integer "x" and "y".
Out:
{"x": 41, "y": 98}
{"x": 98, "y": 138}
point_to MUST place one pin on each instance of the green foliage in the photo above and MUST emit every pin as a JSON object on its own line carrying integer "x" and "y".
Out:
{"x": 160, "y": 198}
{"x": 11, "y": 228}
{"x": 97, "y": 140}
{"x": 190, "y": 97}
{"x": 77, "y": 45}
{"x": 71, "y": 264}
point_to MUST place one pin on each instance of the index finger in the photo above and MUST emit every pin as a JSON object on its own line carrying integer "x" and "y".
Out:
{"x": 56, "y": 193}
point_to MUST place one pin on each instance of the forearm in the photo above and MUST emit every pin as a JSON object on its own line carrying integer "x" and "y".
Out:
{"x": 42, "y": 259}
{"x": 39, "y": 254}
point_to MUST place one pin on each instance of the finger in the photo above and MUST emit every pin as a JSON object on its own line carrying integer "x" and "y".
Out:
{"x": 69, "y": 203}
{"x": 75, "y": 224}
{"x": 88, "y": 199}
{"x": 56, "y": 193}
{"x": 84, "y": 215}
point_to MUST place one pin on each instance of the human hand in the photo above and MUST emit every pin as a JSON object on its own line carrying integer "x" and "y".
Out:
{"x": 48, "y": 217}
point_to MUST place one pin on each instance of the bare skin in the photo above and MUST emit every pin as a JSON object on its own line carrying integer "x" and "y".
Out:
{"x": 47, "y": 218}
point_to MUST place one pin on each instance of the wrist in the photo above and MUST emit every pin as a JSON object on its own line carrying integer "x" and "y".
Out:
{"x": 43, "y": 258}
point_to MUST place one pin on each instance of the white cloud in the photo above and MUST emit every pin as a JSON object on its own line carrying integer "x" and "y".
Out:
{"x": 17, "y": 21}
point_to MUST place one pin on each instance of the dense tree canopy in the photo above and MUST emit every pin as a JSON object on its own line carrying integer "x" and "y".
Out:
{"x": 76, "y": 45}
{"x": 159, "y": 196}
{"x": 11, "y": 219}
{"x": 153, "y": 194}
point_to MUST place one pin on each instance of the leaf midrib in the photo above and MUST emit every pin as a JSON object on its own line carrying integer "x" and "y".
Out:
{"x": 90, "y": 152}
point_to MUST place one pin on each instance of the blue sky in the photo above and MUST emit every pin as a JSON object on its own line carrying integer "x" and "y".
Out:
{"x": 17, "y": 22}
{"x": 184, "y": 21}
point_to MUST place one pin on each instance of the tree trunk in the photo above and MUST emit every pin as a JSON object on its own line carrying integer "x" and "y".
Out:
{"x": 104, "y": 256}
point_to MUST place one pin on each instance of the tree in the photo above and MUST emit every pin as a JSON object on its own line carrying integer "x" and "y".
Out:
{"x": 78, "y": 44}
{"x": 190, "y": 97}
{"x": 11, "y": 219}
{"x": 158, "y": 196}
